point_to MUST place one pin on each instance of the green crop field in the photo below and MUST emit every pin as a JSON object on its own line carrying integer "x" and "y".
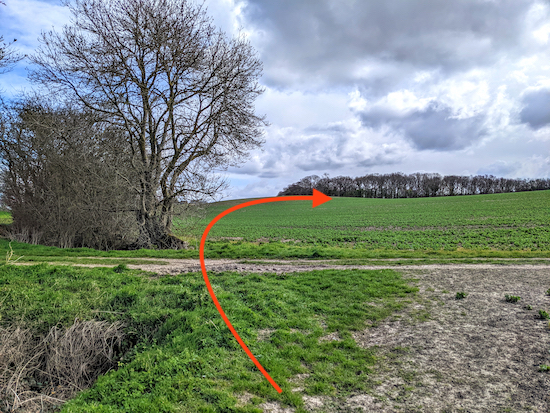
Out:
{"x": 499, "y": 222}
{"x": 488, "y": 226}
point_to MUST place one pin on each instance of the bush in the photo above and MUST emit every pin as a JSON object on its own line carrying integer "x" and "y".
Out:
{"x": 66, "y": 178}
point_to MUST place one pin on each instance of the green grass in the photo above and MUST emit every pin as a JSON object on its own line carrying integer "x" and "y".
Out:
{"x": 184, "y": 358}
{"x": 501, "y": 222}
{"x": 5, "y": 218}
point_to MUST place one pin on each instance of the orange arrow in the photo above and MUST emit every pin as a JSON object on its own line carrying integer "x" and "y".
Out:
{"x": 317, "y": 198}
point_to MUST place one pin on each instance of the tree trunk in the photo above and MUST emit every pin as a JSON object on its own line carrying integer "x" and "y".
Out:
{"x": 154, "y": 225}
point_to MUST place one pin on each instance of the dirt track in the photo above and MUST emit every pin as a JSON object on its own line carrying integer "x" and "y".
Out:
{"x": 177, "y": 266}
{"x": 478, "y": 354}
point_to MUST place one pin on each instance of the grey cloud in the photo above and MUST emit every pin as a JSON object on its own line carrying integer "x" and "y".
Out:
{"x": 316, "y": 164}
{"x": 432, "y": 128}
{"x": 268, "y": 174}
{"x": 500, "y": 168}
{"x": 329, "y": 39}
{"x": 536, "y": 109}
{"x": 317, "y": 149}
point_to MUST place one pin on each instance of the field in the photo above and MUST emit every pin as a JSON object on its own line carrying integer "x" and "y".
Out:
{"x": 336, "y": 302}
{"x": 434, "y": 229}
{"x": 406, "y": 227}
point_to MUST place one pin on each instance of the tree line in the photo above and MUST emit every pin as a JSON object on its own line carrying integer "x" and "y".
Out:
{"x": 399, "y": 185}
{"x": 138, "y": 104}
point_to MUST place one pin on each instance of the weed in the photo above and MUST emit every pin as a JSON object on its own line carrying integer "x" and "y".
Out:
{"x": 544, "y": 367}
{"x": 120, "y": 268}
{"x": 512, "y": 298}
{"x": 544, "y": 315}
{"x": 461, "y": 295}
{"x": 548, "y": 292}
{"x": 60, "y": 363}
{"x": 528, "y": 307}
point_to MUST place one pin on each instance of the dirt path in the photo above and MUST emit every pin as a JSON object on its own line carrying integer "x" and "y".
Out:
{"x": 177, "y": 266}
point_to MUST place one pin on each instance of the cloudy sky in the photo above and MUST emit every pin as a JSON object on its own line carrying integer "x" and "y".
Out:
{"x": 365, "y": 86}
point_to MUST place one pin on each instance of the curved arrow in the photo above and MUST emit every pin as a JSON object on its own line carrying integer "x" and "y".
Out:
{"x": 317, "y": 199}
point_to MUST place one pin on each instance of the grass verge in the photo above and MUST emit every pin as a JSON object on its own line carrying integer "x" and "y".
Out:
{"x": 250, "y": 250}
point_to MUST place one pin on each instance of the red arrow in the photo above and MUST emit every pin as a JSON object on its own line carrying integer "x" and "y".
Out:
{"x": 317, "y": 198}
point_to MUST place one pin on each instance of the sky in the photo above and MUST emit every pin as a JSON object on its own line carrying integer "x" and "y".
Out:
{"x": 354, "y": 87}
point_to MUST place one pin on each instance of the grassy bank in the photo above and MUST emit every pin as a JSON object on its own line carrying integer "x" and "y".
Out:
{"x": 250, "y": 250}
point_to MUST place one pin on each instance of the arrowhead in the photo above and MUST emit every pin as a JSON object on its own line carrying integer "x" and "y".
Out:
{"x": 319, "y": 198}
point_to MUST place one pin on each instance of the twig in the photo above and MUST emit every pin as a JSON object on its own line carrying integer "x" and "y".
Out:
{"x": 9, "y": 254}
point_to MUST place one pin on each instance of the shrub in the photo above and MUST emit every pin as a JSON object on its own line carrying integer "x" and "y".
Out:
{"x": 66, "y": 180}
{"x": 67, "y": 360}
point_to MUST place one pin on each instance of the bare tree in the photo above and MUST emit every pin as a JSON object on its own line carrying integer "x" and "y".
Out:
{"x": 181, "y": 90}
{"x": 8, "y": 56}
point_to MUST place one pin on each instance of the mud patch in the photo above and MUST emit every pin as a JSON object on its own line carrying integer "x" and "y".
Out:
{"x": 334, "y": 336}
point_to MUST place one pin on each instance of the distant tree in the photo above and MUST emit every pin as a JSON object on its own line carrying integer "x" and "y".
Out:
{"x": 399, "y": 185}
{"x": 179, "y": 89}
{"x": 303, "y": 187}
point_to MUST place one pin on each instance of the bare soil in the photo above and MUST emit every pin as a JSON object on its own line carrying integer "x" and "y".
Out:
{"x": 477, "y": 354}
{"x": 177, "y": 266}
